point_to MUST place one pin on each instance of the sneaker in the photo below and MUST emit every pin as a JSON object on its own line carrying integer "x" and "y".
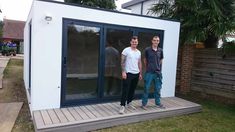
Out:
{"x": 122, "y": 110}
{"x": 144, "y": 107}
{"x": 131, "y": 106}
{"x": 160, "y": 106}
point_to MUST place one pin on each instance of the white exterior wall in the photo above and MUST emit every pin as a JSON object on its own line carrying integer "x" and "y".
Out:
{"x": 26, "y": 54}
{"x": 47, "y": 47}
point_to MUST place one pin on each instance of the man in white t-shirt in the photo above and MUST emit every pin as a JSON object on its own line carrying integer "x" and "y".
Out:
{"x": 131, "y": 73}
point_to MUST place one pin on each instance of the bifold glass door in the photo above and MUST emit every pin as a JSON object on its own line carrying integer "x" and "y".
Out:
{"x": 91, "y": 69}
{"x": 116, "y": 41}
{"x": 81, "y": 61}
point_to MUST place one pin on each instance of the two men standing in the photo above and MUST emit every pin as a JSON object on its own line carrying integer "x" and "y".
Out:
{"x": 132, "y": 72}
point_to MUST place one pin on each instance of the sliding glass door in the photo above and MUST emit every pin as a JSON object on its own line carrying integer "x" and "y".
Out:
{"x": 81, "y": 62}
{"x": 116, "y": 40}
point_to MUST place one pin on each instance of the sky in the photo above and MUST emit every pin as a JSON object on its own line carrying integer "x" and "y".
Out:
{"x": 19, "y": 9}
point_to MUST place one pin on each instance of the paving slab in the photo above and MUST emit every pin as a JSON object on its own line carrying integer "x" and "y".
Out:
{"x": 3, "y": 64}
{"x": 8, "y": 114}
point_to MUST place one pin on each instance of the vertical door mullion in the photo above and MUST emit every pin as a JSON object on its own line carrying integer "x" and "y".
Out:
{"x": 101, "y": 64}
{"x": 64, "y": 67}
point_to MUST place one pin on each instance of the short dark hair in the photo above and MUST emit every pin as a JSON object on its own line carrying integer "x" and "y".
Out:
{"x": 156, "y": 37}
{"x": 134, "y": 38}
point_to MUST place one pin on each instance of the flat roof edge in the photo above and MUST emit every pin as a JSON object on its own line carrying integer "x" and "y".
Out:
{"x": 114, "y": 11}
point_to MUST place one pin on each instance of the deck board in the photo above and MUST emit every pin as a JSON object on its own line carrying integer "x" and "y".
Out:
{"x": 81, "y": 113}
{"x": 74, "y": 113}
{"x": 166, "y": 101}
{"x": 87, "y": 111}
{"x": 53, "y": 116}
{"x": 95, "y": 112}
{"x": 97, "y": 116}
{"x": 46, "y": 117}
{"x": 177, "y": 102}
{"x": 98, "y": 110}
{"x": 114, "y": 107}
{"x": 108, "y": 108}
{"x": 61, "y": 116}
{"x": 105, "y": 110}
{"x": 39, "y": 122}
{"x": 67, "y": 114}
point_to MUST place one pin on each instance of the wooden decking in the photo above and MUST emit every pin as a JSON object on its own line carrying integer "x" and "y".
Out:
{"x": 97, "y": 116}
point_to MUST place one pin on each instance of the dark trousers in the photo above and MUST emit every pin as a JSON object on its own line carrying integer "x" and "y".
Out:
{"x": 128, "y": 88}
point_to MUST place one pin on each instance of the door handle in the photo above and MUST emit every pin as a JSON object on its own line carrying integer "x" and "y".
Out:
{"x": 65, "y": 61}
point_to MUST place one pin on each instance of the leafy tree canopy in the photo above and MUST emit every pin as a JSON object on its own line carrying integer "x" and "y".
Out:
{"x": 201, "y": 20}
{"x": 106, "y": 4}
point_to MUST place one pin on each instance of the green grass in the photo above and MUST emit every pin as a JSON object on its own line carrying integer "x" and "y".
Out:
{"x": 215, "y": 117}
{"x": 14, "y": 91}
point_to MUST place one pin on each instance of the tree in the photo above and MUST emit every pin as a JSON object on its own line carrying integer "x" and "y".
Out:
{"x": 106, "y": 4}
{"x": 201, "y": 20}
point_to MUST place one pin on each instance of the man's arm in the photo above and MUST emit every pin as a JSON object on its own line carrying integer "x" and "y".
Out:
{"x": 162, "y": 56}
{"x": 140, "y": 68}
{"x": 123, "y": 64}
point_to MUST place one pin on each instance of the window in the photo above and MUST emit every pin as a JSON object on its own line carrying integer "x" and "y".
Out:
{"x": 82, "y": 61}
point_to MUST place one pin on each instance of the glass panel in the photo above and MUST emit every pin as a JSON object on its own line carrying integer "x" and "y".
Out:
{"x": 145, "y": 39}
{"x": 116, "y": 41}
{"x": 82, "y": 62}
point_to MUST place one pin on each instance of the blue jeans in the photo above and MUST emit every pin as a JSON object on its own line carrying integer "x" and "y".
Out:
{"x": 148, "y": 78}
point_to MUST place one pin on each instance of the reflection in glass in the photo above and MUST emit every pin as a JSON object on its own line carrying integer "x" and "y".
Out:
{"x": 82, "y": 62}
{"x": 116, "y": 41}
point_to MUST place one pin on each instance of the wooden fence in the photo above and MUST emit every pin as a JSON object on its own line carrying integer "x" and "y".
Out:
{"x": 213, "y": 73}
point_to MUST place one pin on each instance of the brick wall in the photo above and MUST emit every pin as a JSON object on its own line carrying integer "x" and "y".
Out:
{"x": 187, "y": 55}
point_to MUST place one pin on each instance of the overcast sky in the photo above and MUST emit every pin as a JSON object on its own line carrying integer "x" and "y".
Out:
{"x": 19, "y": 9}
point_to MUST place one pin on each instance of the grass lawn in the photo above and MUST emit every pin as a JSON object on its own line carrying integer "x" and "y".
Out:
{"x": 215, "y": 117}
{"x": 14, "y": 91}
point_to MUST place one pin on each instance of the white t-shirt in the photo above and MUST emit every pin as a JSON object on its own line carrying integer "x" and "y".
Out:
{"x": 132, "y": 59}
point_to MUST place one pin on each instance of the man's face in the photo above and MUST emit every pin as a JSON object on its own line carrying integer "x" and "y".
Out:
{"x": 134, "y": 43}
{"x": 155, "y": 41}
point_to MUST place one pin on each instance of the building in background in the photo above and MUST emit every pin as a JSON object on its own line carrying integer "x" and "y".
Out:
{"x": 140, "y": 6}
{"x": 13, "y": 31}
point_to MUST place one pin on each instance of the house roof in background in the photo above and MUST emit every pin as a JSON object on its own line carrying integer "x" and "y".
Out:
{"x": 13, "y": 29}
{"x": 131, "y": 3}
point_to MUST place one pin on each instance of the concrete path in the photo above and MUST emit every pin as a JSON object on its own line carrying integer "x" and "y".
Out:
{"x": 8, "y": 114}
{"x": 3, "y": 63}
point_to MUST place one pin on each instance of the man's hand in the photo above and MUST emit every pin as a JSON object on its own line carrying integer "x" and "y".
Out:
{"x": 140, "y": 77}
{"x": 124, "y": 75}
